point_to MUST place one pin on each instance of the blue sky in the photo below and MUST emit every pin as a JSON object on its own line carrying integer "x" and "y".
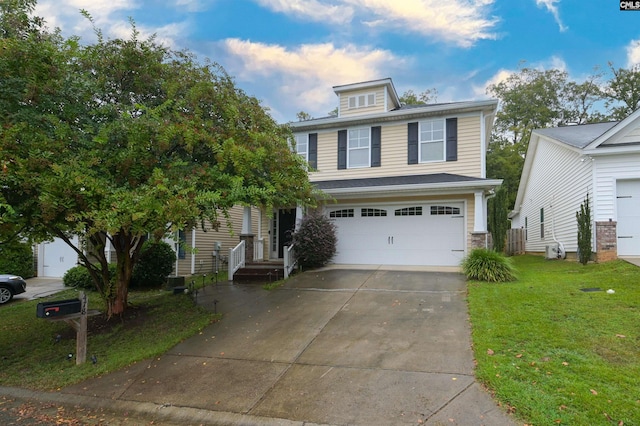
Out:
{"x": 290, "y": 53}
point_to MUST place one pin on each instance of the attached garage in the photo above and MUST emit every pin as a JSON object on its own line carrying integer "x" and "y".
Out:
{"x": 55, "y": 258}
{"x": 429, "y": 234}
{"x": 628, "y": 207}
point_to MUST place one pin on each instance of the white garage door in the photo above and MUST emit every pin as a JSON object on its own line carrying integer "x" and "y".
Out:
{"x": 57, "y": 258}
{"x": 628, "y": 203}
{"x": 416, "y": 234}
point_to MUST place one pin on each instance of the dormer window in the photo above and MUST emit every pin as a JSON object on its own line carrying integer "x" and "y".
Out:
{"x": 361, "y": 101}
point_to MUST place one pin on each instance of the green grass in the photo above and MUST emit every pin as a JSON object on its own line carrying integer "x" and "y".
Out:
{"x": 554, "y": 354}
{"x": 32, "y": 358}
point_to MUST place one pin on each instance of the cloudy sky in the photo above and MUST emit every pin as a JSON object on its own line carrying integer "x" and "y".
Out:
{"x": 290, "y": 53}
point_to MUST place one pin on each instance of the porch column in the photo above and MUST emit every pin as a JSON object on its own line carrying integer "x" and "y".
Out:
{"x": 299, "y": 214}
{"x": 480, "y": 209}
{"x": 246, "y": 235}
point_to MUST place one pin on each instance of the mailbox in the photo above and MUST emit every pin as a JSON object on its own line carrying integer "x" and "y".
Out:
{"x": 58, "y": 308}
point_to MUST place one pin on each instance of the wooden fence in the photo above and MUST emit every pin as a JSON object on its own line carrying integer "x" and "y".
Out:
{"x": 515, "y": 242}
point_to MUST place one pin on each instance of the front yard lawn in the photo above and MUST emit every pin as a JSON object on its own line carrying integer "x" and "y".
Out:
{"x": 554, "y": 354}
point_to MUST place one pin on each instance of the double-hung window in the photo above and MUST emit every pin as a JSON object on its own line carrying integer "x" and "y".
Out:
{"x": 302, "y": 145}
{"x": 359, "y": 148}
{"x": 432, "y": 141}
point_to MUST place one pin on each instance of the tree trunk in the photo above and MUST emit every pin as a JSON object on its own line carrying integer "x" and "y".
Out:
{"x": 127, "y": 248}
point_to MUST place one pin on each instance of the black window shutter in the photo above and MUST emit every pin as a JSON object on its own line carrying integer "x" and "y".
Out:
{"x": 376, "y": 136}
{"x": 313, "y": 150}
{"x": 342, "y": 149}
{"x": 412, "y": 137}
{"x": 452, "y": 139}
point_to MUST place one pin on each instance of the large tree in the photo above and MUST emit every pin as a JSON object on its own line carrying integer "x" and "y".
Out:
{"x": 123, "y": 139}
{"x": 622, "y": 91}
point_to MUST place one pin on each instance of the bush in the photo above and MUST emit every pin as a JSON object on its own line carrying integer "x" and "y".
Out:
{"x": 79, "y": 277}
{"x": 315, "y": 241}
{"x": 154, "y": 265}
{"x": 488, "y": 265}
{"x": 17, "y": 258}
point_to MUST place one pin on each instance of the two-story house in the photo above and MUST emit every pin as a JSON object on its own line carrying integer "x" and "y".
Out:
{"x": 408, "y": 181}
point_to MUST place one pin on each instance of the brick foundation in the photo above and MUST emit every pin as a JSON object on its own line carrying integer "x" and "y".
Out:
{"x": 606, "y": 241}
{"x": 481, "y": 240}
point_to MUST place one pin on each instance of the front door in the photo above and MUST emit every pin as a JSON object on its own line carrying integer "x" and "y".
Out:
{"x": 284, "y": 222}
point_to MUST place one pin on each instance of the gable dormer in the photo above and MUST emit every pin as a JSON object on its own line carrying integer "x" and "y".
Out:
{"x": 369, "y": 97}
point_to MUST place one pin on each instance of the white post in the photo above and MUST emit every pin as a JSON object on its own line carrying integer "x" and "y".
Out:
{"x": 246, "y": 222}
{"x": 480, "y": 219}
{"x": 298, "y": 217}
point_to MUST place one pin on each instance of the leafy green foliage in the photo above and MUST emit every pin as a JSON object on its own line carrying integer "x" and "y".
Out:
{"x": 155, "y": 264}
{"x": 498, "y": 221}
{"x": 79, "y": 277}
{"x": 16, "y": 258}
{"x": 583, "y": 216}
{"x": 488, "y": 265}
{"x": 114, "y": 140}
{"x": 622, "y": 92}
{"x": 411, "y": 98}
{"x": 315, "y": 240}
{"x": 555, "y": 354}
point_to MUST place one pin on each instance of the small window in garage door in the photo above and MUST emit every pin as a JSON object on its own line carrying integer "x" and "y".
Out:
{"x": 409, "y": 211}
{"x": 341, "y": 213}
{"x": 444, "y": 210}
{"x": 373, "y": 213}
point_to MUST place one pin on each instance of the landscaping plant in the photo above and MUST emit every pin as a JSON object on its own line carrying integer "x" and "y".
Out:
{"x": 315, "y": 241}
{"x": 154, "y": 265}
{"x": 584, "y": 232}
{"x": 16, "y": 258}
{"x": 488, "y": 265}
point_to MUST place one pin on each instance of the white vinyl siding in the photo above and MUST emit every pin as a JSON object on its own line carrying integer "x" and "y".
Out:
{"x": 559, "y": 181}
{"x": 394, "y": 154}
{"x": 608, "y": 170}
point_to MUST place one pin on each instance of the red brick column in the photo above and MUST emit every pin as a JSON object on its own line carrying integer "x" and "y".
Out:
{"x": 606, "y": 241}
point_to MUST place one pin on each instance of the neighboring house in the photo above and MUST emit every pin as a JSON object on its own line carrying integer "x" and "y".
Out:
{"x": 409, "y": 182}
{"x": 565, "y": 164}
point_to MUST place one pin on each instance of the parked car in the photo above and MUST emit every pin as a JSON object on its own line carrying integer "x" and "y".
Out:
{"x": 10, "y": 285}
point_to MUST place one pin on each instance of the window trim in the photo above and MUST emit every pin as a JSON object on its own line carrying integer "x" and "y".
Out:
{"x": 304, "y": 154}
{"x": 365, "y": 98}
{"x": 368, "y": 148}
{"x": 443, "y": 141}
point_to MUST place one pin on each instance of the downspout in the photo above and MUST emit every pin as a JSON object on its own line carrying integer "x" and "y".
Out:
{"x": 562, "y": 254}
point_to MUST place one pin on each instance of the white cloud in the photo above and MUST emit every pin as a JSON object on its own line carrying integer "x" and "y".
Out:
{"x": 633, "y": 53}
{"x": 192, "y": 5}
{"x": 462, "y": 22}
{"x": 550, "y": 5}
{"x": 311, "y": 9}
{"x": 304, "y": 75}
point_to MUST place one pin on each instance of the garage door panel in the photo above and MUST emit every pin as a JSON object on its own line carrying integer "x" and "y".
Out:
{"x": 415, "y": 238}
{"x": 628, "y": 212}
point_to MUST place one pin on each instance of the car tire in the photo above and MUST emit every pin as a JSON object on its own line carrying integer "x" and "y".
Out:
{"x": 5, "y": 295}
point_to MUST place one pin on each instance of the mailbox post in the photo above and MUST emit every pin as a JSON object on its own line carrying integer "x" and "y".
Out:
{"x": 74, "y": 312}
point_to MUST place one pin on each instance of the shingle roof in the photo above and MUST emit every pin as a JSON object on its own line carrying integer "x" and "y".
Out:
{"x": 394, "y": 180}
{"x": 577, "y": 136}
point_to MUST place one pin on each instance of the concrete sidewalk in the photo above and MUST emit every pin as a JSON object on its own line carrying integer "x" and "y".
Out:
{"x": 334, "y": 347}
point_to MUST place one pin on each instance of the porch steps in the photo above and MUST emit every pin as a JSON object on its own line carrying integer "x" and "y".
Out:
{"x": 260, "y": 272}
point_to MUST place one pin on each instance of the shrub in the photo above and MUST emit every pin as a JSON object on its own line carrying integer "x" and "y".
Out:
{"x": 16, "y": 258}
{"x": 315, "y": 241}
{"x": 79, "y": 277}
{"x": 584, "y": 232}
{"x": 488, "y": 265}
{"x": 154, "y": 265}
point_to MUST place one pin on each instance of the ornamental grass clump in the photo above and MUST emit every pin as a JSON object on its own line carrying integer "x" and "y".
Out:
{"x": 315, "y": 241}
{"x": 488, "y": 265}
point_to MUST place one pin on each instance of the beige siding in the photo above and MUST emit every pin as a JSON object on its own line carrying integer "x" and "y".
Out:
{"x": 394, "y": 154}
{"x": 345, "y": 111}
{"x": 229, "y": 236}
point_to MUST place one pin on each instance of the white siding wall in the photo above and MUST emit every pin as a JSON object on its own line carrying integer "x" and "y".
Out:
{"x": 558, "y": 182}
{"x": 607, "y": 170}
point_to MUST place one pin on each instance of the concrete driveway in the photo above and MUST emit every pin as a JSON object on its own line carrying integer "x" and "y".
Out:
{"x": 339, "y": 347}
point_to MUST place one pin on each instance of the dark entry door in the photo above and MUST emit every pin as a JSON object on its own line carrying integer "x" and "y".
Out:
{"x": 286, "y": 224}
